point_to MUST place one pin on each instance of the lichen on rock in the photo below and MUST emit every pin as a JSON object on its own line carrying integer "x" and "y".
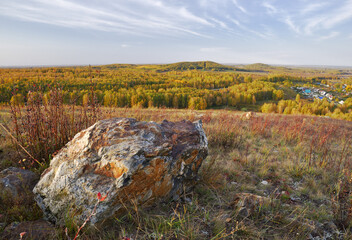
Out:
{"x": 143, "y": 162}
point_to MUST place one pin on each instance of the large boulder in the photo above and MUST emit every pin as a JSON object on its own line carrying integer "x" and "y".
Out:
{"x": 134, "y": 162}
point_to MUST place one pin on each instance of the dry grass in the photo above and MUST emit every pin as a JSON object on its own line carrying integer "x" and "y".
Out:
{"x": 305, "y": 161}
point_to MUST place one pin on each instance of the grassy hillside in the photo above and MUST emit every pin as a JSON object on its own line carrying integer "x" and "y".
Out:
{"x": 299, "y": 166}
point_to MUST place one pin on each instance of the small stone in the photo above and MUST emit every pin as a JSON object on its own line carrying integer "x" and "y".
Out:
{"x": 295, "y": 199}
{"x": 264, "y": 182}
{"x": 247, "y": 203}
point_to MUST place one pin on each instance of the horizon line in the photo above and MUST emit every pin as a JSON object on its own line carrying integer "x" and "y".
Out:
{"x": 165, "y": 63}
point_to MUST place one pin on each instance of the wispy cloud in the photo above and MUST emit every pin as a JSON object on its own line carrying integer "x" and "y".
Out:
{"x": 329, "y": 36}
{"x": 320, "y": 19}
{"x": 330, "y": 19}
{"x": 270, "y": 8}
{"x": 264, "y": 32}
{"x": 220, "y": 23}
{"x": 235, "y": 21}
{"x": 291, "y": 24}
{"x": 313, "y": 8}
{"x": 240, "y": 7}
{"x": 201, "y": 18}
{"x": 131, "y": 17}
{"x": 172, "y": 10}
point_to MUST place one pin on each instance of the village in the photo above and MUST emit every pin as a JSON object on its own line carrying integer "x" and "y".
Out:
{"x": 319, "y": 93}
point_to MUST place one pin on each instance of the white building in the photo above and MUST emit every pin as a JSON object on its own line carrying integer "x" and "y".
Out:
{"x": 322, "y": 92}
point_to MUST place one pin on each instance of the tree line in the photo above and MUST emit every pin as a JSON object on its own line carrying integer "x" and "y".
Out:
{"x": 133, "y": 87}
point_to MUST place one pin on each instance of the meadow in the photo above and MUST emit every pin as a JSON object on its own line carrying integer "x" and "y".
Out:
{"x": 301, "y": 163}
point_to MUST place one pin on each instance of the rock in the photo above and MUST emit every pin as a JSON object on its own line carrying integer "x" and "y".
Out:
{"x": 16, "y": 182}
{"x": 264, "y": 182}
{"x": 246, "y": 203}
{"x": 294, "y": 198}
{"x": 38, "y": 230}
{"x": 134, "y": 162}
{"x": 248, "y": 115}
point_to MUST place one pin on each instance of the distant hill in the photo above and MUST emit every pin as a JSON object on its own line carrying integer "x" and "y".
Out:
{"x": 261, "y": 67}
{"x": 202, "y": 65}
{"x": 258, "y": 66}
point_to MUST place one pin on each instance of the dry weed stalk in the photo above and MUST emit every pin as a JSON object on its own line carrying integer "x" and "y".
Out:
{"x": 45, "y": 124}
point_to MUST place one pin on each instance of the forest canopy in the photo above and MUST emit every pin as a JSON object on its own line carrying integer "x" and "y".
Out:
{"x": 194, "y": 85}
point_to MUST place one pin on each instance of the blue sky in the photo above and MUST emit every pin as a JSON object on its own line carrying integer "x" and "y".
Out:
{"x": 80, "y": 32}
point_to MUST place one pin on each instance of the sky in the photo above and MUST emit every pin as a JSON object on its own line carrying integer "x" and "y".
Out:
{"x": 82, "y": 32}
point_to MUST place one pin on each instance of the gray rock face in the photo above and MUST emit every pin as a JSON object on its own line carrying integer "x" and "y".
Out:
{"x": 139, "y": 162}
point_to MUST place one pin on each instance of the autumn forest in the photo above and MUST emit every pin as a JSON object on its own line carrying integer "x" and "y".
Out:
{"x": 196, "y": 85}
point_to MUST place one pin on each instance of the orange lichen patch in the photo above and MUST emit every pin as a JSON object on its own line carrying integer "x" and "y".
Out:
{"x": 111, "y": 170}
{"x": 146, "y": 179}
{"x": 192, "y": 157}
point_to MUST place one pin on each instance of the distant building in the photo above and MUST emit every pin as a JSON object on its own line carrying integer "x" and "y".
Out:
{"x": 322, "y": 92}
{"x": 329, "y": 96}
